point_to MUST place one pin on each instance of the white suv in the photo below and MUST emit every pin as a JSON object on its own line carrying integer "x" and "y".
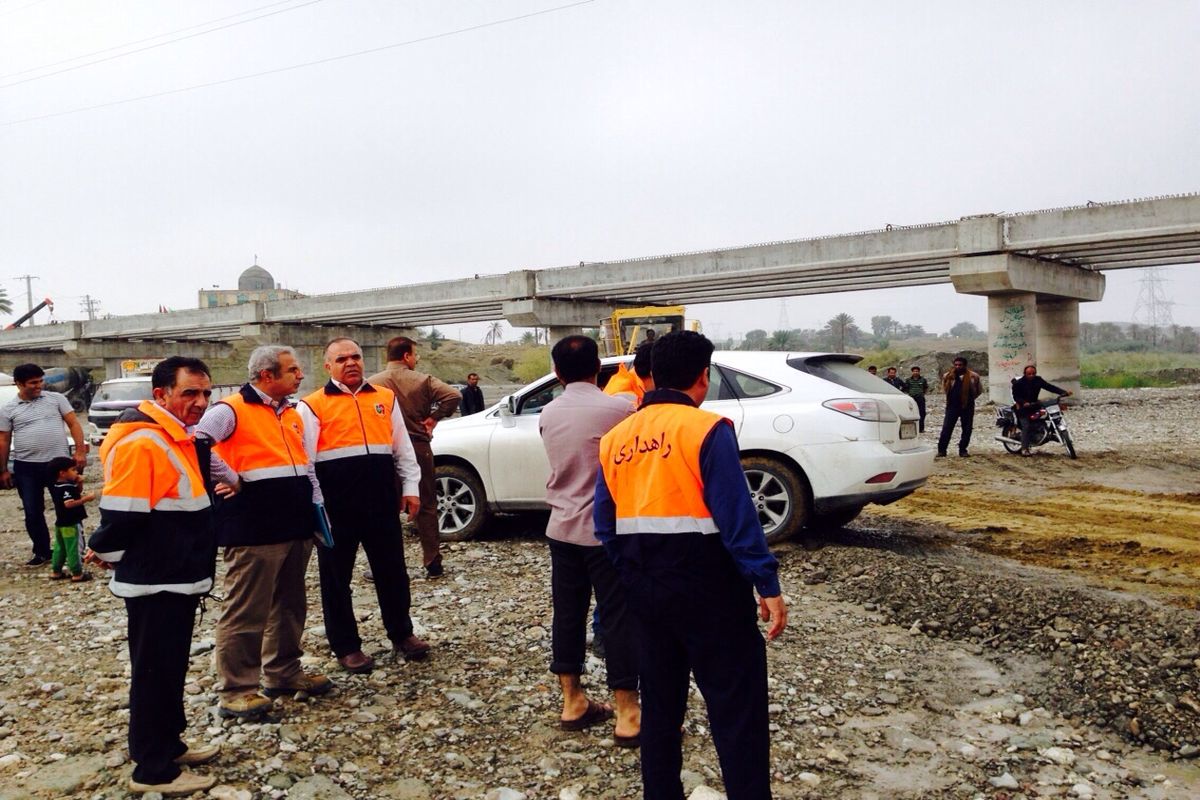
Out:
{"x": 819, "y": 437}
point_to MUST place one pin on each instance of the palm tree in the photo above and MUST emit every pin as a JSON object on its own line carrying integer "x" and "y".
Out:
{"x": 780, "y": 340}
{"x": 495, "y": 333}
{"x": 5, "y": 303}
{"x": 529, "y": 337}
{"x": 840, "y": 329}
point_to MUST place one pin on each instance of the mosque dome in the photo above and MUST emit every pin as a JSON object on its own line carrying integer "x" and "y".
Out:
{"x": 255, "y": 279}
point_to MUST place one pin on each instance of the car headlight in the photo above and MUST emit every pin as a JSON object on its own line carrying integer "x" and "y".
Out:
{"x": 862, "y": 408}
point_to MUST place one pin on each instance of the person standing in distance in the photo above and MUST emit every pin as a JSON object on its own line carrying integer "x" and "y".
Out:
{"x": 961, "y": 386}
{"x": 424, "y": 400}
{"x": 156, "y": 534}
{"x": 674, "y": 513}
{"x": 354, "y": 434}
{"x": 896, "y": 382}
{"x": 917, "y": 387}
{"x": 266, "y": 531}
{"x": 31, "y": 428}
{"x": 472, "y": 396}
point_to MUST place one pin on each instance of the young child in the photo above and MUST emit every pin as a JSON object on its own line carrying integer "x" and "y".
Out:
{"x": 67, "y": 493}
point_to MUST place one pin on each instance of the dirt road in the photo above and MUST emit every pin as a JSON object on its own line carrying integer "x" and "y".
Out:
{"x": 1125, "y": 514}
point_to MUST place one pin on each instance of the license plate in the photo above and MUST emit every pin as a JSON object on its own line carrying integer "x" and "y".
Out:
{"x": 908, "y": 430}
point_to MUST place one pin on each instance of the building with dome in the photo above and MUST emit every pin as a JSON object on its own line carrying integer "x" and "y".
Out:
{"x": 255, "y": 285}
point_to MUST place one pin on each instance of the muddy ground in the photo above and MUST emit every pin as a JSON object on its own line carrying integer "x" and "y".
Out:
{"x": 1019, "y": 628}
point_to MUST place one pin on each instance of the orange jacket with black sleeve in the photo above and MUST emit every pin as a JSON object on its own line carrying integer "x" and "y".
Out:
{"x": 266, "y": 450}
{"x": 156, "y": 524}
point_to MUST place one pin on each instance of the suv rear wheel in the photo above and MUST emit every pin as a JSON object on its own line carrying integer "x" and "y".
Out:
{"x": 461, "y": 504}
{"x": 779, "y": 495}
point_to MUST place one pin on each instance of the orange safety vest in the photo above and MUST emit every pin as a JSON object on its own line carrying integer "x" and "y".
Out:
{"x": 264, "y": 445}
{"x": 651, "y": 463}
{"x": 357, "y": 428}
{"x": 626, "y": 381}
{"x": 173, "y": 482}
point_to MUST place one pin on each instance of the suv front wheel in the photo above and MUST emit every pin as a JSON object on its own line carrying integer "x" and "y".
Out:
{"x": 461, "y": 504}
{"x": 779, "y": 495}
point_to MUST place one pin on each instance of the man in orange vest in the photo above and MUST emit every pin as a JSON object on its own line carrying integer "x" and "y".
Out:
{"x": 355, "y": 434}
{"x": 266, "y": 531}
{"x": 633, "y": 384}
{"x": 675, "y": 516}
{"x": 156, "y": 534}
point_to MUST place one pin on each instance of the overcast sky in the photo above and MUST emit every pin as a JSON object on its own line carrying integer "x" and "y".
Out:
{"x": 610, "y": 129}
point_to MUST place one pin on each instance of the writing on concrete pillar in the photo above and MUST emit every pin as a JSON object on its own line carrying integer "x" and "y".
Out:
{"x": 1011, "y": 345}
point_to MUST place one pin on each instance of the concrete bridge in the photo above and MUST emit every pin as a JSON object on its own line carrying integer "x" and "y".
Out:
{"x": 1035, "y": 268}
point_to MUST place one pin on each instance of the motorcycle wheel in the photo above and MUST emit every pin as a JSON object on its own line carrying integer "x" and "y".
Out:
{"x": 1011, "y": 432}
{"x": 1066, "y": 440}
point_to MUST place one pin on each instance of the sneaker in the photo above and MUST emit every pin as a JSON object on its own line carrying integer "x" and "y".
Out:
{"x": 244, "y": 706}
{"x": 412, "y": 648}
{"x": 434, "y": 569}
{"x": 36, "y": 561}
{"x": 185, "y": 783}
{"x": 312, "y": 685}
{"x": 198, "y": 755}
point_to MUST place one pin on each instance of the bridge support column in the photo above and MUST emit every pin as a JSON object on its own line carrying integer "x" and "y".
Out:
{"x": 1033, "y": 315}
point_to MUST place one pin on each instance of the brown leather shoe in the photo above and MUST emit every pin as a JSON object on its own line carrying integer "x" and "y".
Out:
{"x": 412, "y": 648}
{"x": 357, "y": 662}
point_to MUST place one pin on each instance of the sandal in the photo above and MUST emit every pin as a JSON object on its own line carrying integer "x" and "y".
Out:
{"x": 82, "y": 577}
{"x": 596, "y": 713}
{"x": 627, "y": 741}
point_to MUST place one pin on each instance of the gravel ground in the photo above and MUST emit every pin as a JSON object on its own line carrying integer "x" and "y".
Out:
{"x": 914, "y": 666}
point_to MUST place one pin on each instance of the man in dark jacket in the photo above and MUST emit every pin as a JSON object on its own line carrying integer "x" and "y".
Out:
{"x": 472, "y": 396}
{"x": 961, "y": 387}
{"x": 1026, "y": 390}
{"x": 156, "y": 533}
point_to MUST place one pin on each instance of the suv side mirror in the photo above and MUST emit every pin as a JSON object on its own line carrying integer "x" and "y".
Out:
{"x": 508, "y": 411}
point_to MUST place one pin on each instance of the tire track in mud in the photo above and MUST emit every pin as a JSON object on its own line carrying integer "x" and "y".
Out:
{"x": 1022, "y": 510}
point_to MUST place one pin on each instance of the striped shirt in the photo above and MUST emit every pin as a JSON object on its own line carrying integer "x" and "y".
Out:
{"x": 36, "y": 426}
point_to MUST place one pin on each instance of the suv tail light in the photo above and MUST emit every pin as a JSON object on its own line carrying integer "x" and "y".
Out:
{"x": 862, "y": 408}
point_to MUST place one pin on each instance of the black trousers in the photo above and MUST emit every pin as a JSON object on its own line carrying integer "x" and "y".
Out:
{"x": 32, "y": 479}
{"x": 956, "y": 414}
{"x": 381, "y": 539}
{"x": 723, "y": 648}
{"x": 160, "y": 638}
{"x": 920, "y": 401}
{"x": 575, "y": 570}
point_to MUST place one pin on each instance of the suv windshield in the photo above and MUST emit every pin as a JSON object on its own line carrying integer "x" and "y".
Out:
{"x": 843, "y": 373}
{"x": 130, "y": 390}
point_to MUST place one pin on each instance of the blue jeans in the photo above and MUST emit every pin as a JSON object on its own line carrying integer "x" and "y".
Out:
{"x": 31, "y": 480}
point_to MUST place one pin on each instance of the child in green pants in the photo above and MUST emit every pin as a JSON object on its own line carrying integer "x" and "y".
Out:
{"x": 66, "y": 490}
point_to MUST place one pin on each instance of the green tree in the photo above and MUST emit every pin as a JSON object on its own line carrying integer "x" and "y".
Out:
{"x": 755, "y": 340}
{"x": 528, "y": 338}
{"x": 435, "y": 338}
{"x": 965, "y": 330}
{"x": 495, "y": 333}
{"x": 883, "y": 325}
{"x": 841, "y": 331}
{"x": 5, "y": 304}
{"x": 780, "y": 340}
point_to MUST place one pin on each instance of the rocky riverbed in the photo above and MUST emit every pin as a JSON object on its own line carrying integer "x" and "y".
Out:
{"x": 915, "y": 666}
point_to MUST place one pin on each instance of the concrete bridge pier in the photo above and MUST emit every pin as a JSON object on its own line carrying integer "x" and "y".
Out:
{"x": 1033, "y": 315}
{"x": 562, "y": 317}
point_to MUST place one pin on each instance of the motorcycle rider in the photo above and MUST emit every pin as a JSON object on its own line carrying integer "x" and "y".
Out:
{"x": 1025, "y": 391}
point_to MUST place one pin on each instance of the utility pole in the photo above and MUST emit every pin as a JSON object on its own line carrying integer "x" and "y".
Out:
{"x": 29, "y": 279}
{"x": 90, "y": 306}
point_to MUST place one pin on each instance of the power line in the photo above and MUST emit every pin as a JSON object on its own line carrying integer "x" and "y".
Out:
{"x": 115, "y": 56}
{"x": 277, "y": 70}
{"x": 142, "y": 41}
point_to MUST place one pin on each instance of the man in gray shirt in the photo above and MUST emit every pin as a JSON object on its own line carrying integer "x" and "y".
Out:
{"x": 571, "y": 427}
{"x": 31, "y": 428}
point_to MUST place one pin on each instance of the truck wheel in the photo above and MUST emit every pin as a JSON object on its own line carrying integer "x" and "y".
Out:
{"x": 779, "y": 495}
{"x": 461, "y": 504}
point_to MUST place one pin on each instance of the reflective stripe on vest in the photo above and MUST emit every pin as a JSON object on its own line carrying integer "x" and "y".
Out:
{"x": 187, "y": 491}
{"x": 264, "y": 445}
{"x": 651, "y": 464}
{"x": 353, "y": 425}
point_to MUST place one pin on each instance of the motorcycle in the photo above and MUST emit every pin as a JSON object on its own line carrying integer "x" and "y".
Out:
{"x": 1048, "y": 425}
